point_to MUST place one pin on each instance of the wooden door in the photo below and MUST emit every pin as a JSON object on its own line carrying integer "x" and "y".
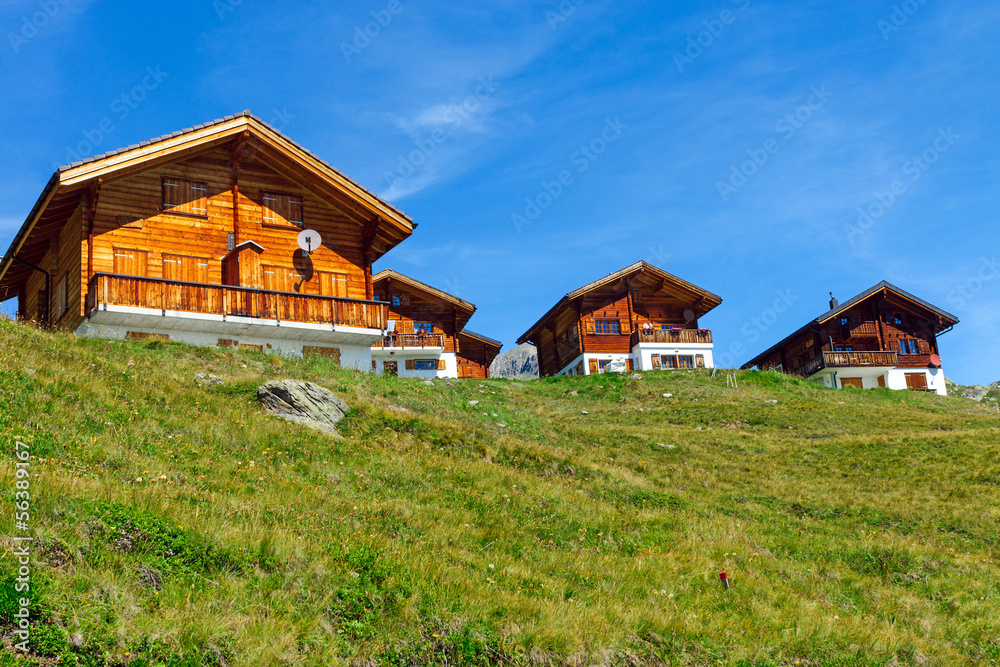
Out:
{"x": 125, "y": 292}
{"x": 851, "y": 382}
{"x": 881, "y": 381}
{"x": 390, "y": 368}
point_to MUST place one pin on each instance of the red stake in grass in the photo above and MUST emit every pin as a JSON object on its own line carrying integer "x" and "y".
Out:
{"x": 725, "y": 580}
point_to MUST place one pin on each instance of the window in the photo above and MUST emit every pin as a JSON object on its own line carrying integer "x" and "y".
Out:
{"x": 685, "y": 362}
{"x": 281, "y": 210}
{"x": 396, "y": 300}
{"x": 185, "y": 197}
{"x": 607, "y": 327}
{"x": 423, "y": 327}
{"x": 916, "y": 381}
{"x": 425, "y": 364}
{"x": 668, "y": 361}
{"x": 843, "y": 321}
{"x": 61, "y": 304}
{"x": 602, "y": 365}
{"x": 908, "y": 346}
{"x": 897, "y": 318}
{"x": 844, "y": 348}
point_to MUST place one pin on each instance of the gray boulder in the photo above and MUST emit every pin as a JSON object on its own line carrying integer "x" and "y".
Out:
{"x": 303, "y": 403}
{"x": 975, "y": 392}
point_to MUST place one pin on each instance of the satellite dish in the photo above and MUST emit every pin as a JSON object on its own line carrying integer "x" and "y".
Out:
{"x": 309, "y": 240}
{"x": 935, "y": 361}
{"x": 689, "y": 315}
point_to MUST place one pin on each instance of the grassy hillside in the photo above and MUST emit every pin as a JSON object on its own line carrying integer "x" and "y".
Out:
{"x": 565, "y": 521}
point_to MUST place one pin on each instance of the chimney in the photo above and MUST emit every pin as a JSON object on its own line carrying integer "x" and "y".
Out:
{"x": 833, "y": 302}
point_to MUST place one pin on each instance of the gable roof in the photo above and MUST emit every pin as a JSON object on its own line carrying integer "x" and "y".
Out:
{"x": 944, "y": 318}
{"x": 489, "y": 341}
{"x": 433, "y": 292}
{"x": 69, "y": 184}
{"x": 706, "y": 300}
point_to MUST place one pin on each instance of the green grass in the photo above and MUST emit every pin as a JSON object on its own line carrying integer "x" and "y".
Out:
{"x": 178, "y": 525}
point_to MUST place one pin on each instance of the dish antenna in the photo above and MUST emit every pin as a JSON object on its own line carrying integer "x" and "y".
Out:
{"x": 935, "y": 361}
{"x": 309, "y": 240}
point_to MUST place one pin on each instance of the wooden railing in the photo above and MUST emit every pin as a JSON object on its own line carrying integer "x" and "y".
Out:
{"x": 862, "y": 330}
{"x": 845, "y": 359}
{"x": 671, "y": 336}
{"x": 141, "y": 292}
{"x": 838, "y": 359}
{"x": 411, "y": 340}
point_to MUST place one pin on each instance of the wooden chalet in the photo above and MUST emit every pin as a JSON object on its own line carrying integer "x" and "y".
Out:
{"x": 640, "y": 318}
{"x": 192, "y": 237}
{"x": 426, "y": 332}
{"x": 883, "y": 337}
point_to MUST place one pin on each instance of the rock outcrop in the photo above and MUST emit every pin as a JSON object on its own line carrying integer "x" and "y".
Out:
{"x": 303, "y": 403}
{"x": 520, "y": 363}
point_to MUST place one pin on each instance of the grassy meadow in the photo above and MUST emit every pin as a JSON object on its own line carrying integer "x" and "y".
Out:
{"x": 567, "y": 521}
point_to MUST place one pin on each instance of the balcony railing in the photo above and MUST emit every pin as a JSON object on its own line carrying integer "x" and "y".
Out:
{"x": 861, "y": 330}
{"x": 141, "y": 292}
{"x": 412, "y": 340}
{"x": 846, "y": 359}
{"x": 671, "y": 336}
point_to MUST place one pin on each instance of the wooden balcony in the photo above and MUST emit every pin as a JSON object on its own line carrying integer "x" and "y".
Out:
{"x": 667, "y": 336}
{"x": 412, "y": 340}
{"x": 107, "y": 289}
{"x": 860, "y": 330}
{"x": 847, "y": 359}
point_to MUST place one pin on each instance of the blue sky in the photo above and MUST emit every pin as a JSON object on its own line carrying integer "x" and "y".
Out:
{"x": 542, "y": 145}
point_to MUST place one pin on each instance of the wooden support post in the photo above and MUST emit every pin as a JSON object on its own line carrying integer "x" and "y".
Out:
{"x": 367, "y": 240}
{"x": 632, "y": 324}
{"x": 238, "y": 147}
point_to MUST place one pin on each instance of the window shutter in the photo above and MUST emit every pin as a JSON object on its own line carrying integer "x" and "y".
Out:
{"x": 373, "y": 364}
{"x": 407, "y": 326}
{"x": 411, "y": 364}
{"x": 295, "y": 211}
{"x": 629, "y": 365}
{"x": 441, "y": 365}
{"x": 625, "y": 327}
{"x": 590, "y": 327}
{"x": 656, "y": 362}
{"x": 171, "y": 193}
{"x": 593, "y": 366}
{"x": 700, "y": 360}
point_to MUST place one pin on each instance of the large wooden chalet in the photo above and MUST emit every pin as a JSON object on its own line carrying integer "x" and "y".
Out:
{"x": 192, "y": 237}
{"x": 883, "y": 337}
{"x": 640, "y": 318}
{"x": 427, "y": 335}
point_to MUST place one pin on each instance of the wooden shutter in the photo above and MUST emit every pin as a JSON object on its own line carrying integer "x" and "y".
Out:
{"x": 656, "y": 362}
{"x": 916, "y": 381}
{"x": 625, "y": 327}
{"x": 198, "y": 193}
{"x": 407, "y": 326}
{"x": 851, "y": 382}
{"x": 442, "y": 365}
{"x": 411, "y": 364}
{"x": 333, "y": 284}
{"x": 629, "y": 365}
{"x": 130, "y": 262}
{"x": 172, "y": 193}
{"x": 699, "y": 360}
{"x": 593, "y": 366}
{"x": 881, "y": 380}
{"x": 589, "y": 324}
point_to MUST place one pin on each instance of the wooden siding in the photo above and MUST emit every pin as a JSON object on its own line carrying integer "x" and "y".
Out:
{"x": 474, "y": 357}
{"x": 575, "y": 329}
{"x": 867, "y": 327}
{"x": 414, "y": 306}
{"x": 139, "y": 198}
